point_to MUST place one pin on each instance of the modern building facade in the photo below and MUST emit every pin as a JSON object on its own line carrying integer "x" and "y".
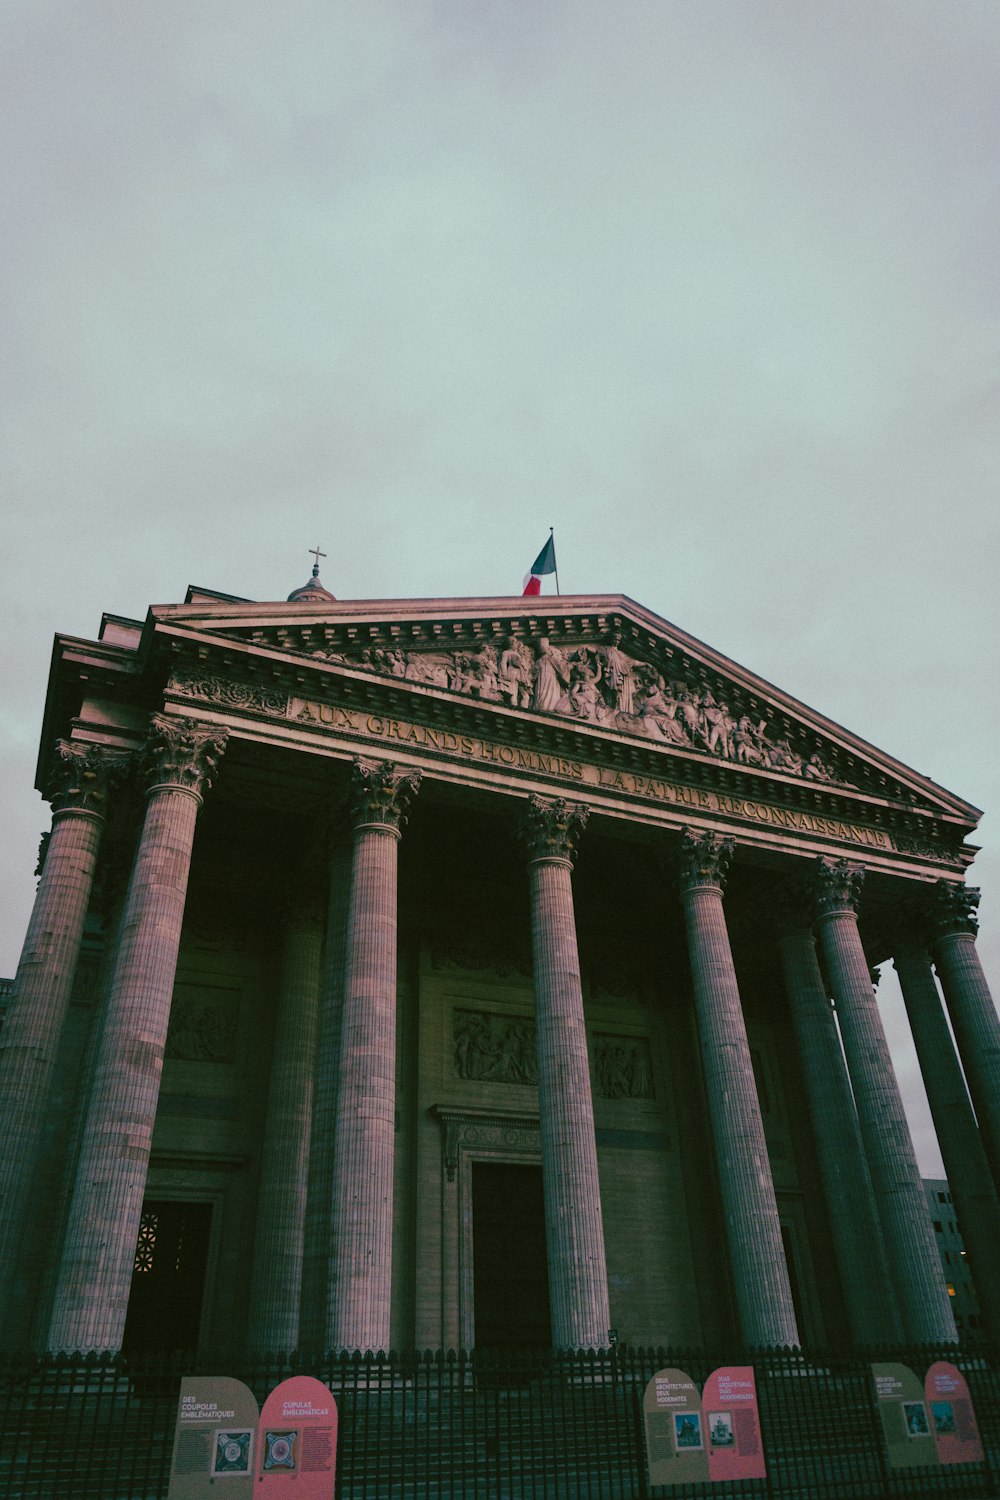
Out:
{"x": 954, "y": 1260}
{"x": 464, "y": 972}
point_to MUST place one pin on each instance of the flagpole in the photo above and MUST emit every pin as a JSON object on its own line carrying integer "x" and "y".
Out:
{"x": 552, "y": 534}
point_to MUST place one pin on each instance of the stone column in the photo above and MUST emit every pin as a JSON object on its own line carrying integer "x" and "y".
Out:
{"x": 99, "y": 1248}
{"x": 276, "y": 1283}
{"x": 855, "y": 1229}
{"x": 965, "y": 1164}
{"x": 906, "y": 1225}
{"x": 364, "y": 1142}
{"x": 319, "y": 1215}
{"x": 574, "y": 1228}
{"x": 29, "y": 1041}
{"x": 753, "y": 1231}
{"x": 970, "y": 1004}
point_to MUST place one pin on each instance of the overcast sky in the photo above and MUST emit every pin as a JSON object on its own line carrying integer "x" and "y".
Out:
{"x": 711, "y": 286}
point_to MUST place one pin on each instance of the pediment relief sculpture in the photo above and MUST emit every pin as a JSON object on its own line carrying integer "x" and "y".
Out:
{"x": 600, "y": 685}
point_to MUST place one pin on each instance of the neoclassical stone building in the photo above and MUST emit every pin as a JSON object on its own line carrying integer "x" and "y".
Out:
{"x": 467, "y": 972}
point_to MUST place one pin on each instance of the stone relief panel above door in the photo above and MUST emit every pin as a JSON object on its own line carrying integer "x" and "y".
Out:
{"x": 498, "y": 1048}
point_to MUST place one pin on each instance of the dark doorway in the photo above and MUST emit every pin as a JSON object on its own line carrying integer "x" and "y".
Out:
{"x": 510, "y": 1274}
{"x": 168, "y": 1282}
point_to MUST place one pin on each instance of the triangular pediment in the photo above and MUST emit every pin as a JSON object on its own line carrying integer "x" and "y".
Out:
{"x": 602, "y": 664}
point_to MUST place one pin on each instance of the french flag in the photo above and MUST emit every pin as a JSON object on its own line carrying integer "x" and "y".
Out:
{"x": 544, "y": 563}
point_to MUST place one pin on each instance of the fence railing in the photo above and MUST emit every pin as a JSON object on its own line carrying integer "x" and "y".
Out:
{"x": 517, "y": 1426}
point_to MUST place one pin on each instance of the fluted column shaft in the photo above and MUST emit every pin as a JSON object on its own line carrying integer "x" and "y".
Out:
{"x": 95, "y": 1272}
{"x": 319, "y": 1206}
{"x": 276, "y": 1282}
{"x": 753, "y": 1230}
{"x": 29, "y": 1041}
{"x": 574, "y": 1226}
{"x": 906, "y": 1226}
{"x": 973, "y": 1193}
{"x": 854, "y": 1223}
{"x": 364, "y": 1142}
{"x": 973, "y": 1013}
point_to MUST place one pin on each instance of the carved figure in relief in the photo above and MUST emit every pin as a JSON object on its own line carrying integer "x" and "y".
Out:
{"x": 658, "y": 716}
{"x": 585, "y": 699}
{"x": 486, "y": 680}
{"x": 618, "y": 676}
{"x": 689, "y": 707}
{"x": 815, "y": 769}
{"x": 494, "y": 1049}
{"x": 719, "y": 726}
{"x": 621, "y": 1069}
{"x": 515, "y": 674}
{"x": 551, "y": 677}
{"x": 747, "y": 742}
{"x": 397, "y": 662}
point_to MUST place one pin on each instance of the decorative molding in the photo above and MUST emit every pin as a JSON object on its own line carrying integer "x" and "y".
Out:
{"x": 705, "y": 859}
{"x": 955, "y": 909}
{"x": 229, "y": 692}
{"x": 183, "y": 753}
{"x": 472, "y": 948}
{"x": 838, "y": 886}
{"x": 82, "y": 775}
{"x": 907, "y": 843}
{"x": 492, "y": 1131}
{"x": 550, "y": 827}
{"x": 381, "y": 791}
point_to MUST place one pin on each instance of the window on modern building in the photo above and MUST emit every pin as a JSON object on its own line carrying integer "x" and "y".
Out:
{"x": 942, "y": 1198}
{"x": 951, "y": 1288}
{"x": 937, "y": 1226}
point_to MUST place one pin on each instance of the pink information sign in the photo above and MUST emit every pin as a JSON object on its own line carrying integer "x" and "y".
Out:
{"x": 952, "y": 1417}
{"x": 690, "y": 1440}
{"x": 732, "y": 1424}
{"x": 297, "y": 1441}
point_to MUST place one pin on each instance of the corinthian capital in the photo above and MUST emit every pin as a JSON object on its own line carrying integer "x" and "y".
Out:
{"x": 705, "y": 859}
{"x": 838, "y": 886}
{"x": 82, "y": 775}
{"x": 183, "y": 753}
{"x": 381, "y": 791}
{"x": 955, "y": 909}
{"x": 551, "y": 827}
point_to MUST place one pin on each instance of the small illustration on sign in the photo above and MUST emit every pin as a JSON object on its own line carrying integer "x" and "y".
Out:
{"x": 232, "y": 1451}
{"x": 280, "y": 1452}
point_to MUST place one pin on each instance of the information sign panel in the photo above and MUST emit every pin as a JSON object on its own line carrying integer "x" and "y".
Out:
{"x": 214, "y": 1440}
{"x": 297, "y": 1446}
{"x": 692, "y": 1438}
{"x": 906, "y": 1423}
{"x": 732, "y": 1424}
{"x": 952, "y": 1416}
{"x": 675, "y": 1441}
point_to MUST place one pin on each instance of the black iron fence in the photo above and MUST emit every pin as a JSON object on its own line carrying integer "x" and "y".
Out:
{"x": 476, "y": 1427}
